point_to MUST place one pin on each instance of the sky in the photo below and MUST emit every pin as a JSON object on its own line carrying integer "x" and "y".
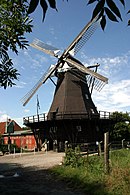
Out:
{"x": 109, "y": 48}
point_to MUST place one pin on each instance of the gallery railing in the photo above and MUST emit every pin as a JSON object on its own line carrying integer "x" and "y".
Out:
{"x": 58, "y": 116}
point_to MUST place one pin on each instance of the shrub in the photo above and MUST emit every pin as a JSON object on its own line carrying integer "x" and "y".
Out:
{"x": 73, "y": 157}
{"x": 5, "y": 148}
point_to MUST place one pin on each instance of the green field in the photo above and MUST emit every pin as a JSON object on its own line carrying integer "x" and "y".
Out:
{"x": 87, "y": 173}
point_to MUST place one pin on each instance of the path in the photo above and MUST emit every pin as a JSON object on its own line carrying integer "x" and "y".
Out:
{"x": 29, "y": 174}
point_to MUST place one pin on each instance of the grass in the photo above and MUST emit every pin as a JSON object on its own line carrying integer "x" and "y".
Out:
{"x": 89, "y": 175}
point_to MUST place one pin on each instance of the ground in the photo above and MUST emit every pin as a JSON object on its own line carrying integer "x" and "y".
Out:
{"x": 30, "y": 174}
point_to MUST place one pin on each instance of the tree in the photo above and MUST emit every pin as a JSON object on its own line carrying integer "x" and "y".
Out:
{"x": 121, "y": 126}
{"x": 14, "y": 22}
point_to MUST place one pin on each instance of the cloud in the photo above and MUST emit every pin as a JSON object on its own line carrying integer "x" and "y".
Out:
{"x": 4, "y": 117}
{"x": 26, "y": 110}
{"x": 20, "y": 84}
{"x": 2, "y": 112}
{"x": 114, "y": 97}
{"x": 28, "y": 60}
{"x": 111, "y": 67}
{"x": 19, "y": 121}
{"x": 52, "y": 30}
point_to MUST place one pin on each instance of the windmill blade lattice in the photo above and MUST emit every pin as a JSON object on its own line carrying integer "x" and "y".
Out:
{"x": 86, "y": 36}
{"x": 42, "y": 80}
{"x": 83, "y": 36}
{"x": 94, "y": 83}
{"x": 86, "y": 70}
{"x": 45, "y": 47}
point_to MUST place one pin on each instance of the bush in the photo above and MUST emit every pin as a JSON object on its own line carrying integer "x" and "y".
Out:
{"x": 73, "y": 157}
{"x": 5, "y": 148}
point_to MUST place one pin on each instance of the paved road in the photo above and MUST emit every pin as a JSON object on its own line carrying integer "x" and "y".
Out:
{"x": 29, "y": 174}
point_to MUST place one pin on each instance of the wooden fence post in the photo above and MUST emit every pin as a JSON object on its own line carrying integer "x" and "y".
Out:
{"x": 99, "y": 149}
{"x": 106, "y": 152}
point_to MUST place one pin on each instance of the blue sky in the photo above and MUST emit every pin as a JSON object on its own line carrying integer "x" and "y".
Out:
{"x": 109, "y": 48}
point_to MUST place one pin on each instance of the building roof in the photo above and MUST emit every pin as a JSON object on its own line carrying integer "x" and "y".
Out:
{"x": 3, "y": 127}
{"x": 72, "y": 97}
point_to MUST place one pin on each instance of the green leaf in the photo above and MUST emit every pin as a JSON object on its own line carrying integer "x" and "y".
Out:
{"x": 7, "y": 73}
{"x": 52, "y": 4}
{"x": 32, "y": 6}
{"x": 101, "y": 13}
{"x": 110, "y": 15}
{"x": 91, "y": 1}
{"x": 123, "y": 2}
{"x": 44, "y": 7}
{"x": 103, "y": 22}
{"x": 98, "y": 8}
{"x": 114, "y": 8}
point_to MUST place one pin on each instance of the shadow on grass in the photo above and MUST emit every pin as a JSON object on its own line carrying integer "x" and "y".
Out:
{"x": 15, "y": 179}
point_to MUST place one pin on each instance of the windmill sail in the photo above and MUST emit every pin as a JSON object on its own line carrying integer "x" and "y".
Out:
{"x": 42, "y": 80}
{"x": 44, "y": 47}
{"x": 86, "y": 70}
{"x": 75, "y": 46}
{"x": 94, "y": 83}
{"x": 83, "y": 36}
{"x": 66, "y": 57}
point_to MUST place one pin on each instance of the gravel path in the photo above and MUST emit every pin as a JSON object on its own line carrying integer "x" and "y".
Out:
{"x": 41, "y": 160}
{"x": 29, "y": 174}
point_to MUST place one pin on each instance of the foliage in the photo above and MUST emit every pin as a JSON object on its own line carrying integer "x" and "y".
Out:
{"x": 128, "y": 20}
{"x": 107, "y": 8}
{"x": 14, "y": 23}
{"x": 44, "y": 5}
{"x": 121, "y": 126}
{"x": 121, "y": 131}
{"x": 7, "y": 72}
{"x": 91, "y": 178}
{"x": 4, "y": 148}
{"x": 1, "y": 139}
{"x": 120, "y": 116}
{"x": 73, "y": 157}
{"x": 103, "y": 8}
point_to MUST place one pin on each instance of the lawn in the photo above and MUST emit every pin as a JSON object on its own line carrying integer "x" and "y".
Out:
{"x": 87, "y": 173}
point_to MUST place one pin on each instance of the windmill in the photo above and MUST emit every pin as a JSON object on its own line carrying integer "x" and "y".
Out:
{"x": 72, "y": 106}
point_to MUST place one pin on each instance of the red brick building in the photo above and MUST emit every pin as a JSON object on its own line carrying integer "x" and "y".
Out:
{"x": 23, "y": 138}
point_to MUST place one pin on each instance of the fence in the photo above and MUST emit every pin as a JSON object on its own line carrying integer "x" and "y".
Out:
{"x": 93, "y": 147}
